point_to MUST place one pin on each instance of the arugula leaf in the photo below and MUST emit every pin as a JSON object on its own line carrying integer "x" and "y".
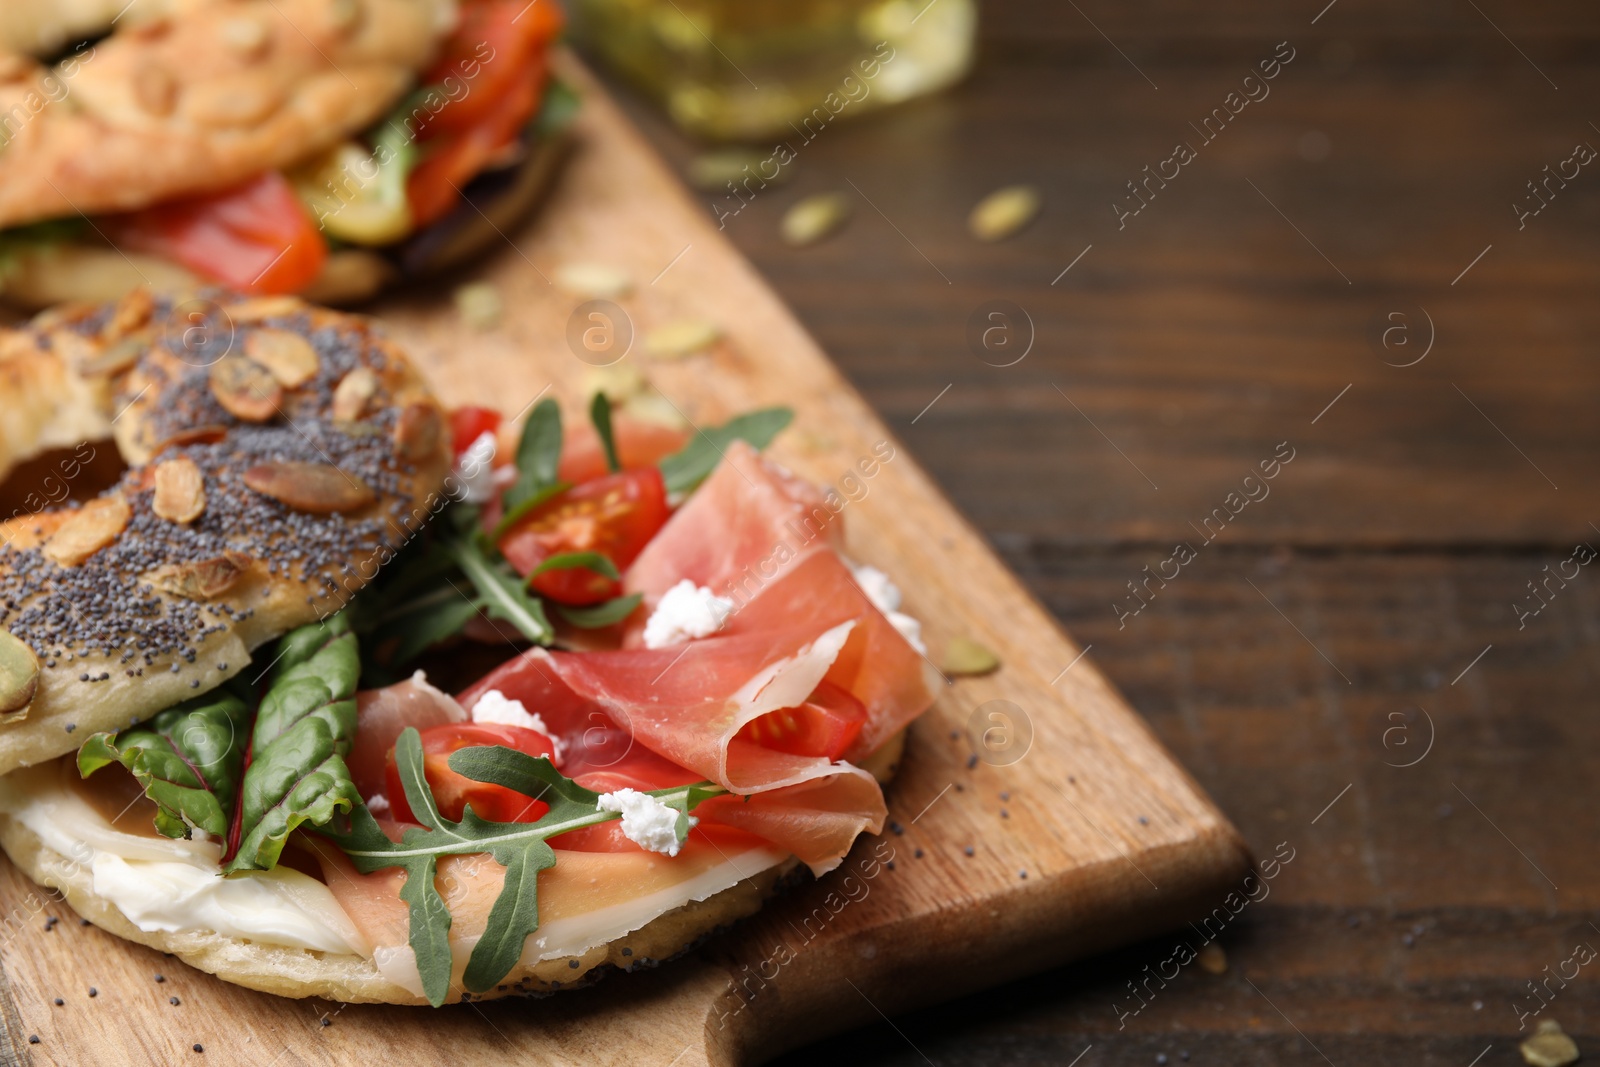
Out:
{"x": 522, "y": 848}
{"x": 566, "y": 561}
{"x": 685, "y": 469}
{"x": 600, "y": 415}
{"x": 503, "y": 594}
{"x": 538, "y": 455}
{"x": 611, "y": 612}
{"x": 188, "y": 759}
{"x": 246, "y": 771}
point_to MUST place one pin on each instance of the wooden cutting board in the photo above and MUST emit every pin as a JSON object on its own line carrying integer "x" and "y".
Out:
{"x": 1036, "y": 818}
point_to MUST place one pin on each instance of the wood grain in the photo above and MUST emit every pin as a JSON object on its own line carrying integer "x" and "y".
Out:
{"x": 1092, "y": 837}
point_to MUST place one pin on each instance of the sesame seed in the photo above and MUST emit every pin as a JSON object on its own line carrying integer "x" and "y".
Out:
{"x": 917, "y": 854}
{"x": 173, "y": 1001}
{"x": 969, "y": 850}
{"x": 198, "y": 1047}
{"x": 59, "y": 1002}
{"x": 573, "y": 964}
{"x": 33, "y": 1039}
{"x": 93, "y": 992}
{"x": 972, "y": 761}
{"x": 161, "y": 978}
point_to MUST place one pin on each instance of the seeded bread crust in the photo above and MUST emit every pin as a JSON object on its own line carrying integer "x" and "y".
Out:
{"x": 165, "y": 605}
{"x": 216, "y": 94}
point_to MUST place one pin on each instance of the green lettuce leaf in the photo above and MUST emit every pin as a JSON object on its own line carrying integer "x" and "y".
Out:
{"x": 188, "y": 759}
{"x": 303, "y": 731}
{"x": 245, "y": 770}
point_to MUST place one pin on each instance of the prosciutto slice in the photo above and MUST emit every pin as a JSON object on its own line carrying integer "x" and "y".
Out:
{"x": 683, "y": 707}
{"x": 741, "y": 530}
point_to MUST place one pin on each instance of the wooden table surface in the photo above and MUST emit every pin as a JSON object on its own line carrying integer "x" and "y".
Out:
{"x": 1352, "y": 665}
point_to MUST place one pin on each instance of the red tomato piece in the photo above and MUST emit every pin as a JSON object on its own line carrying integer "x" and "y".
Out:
{"x": 639, "y": 444}
{"x": 615, "y": 516}
{"x": 257, "y": 237}
{"x": 499, "y": 54}
{"x": 452, "y": 791}
{"x": 469, "y": 423}
{"x": 493, "y": 44}
{"x": 826, "y": 725}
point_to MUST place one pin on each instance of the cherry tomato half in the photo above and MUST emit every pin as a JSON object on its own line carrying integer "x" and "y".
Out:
{"x": 257, "y": 237}
{"x": 615, "y": 516}
{"x": 826, "y": 725}
{"x": 469, "y": 423}
{"x": 452, "y": 791}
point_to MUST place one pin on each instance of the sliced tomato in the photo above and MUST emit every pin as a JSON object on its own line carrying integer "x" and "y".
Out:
{"x": 257, "y": 237}
{"x": 452, "y": 791}
{"x": 469, "y": 423}
{"x": 493, "y": 45}
{"x": 499, "y": 53}
{"x": 615, "y": 516}
{"x": 639, "y": 444}
{"x": 826, "y": 725}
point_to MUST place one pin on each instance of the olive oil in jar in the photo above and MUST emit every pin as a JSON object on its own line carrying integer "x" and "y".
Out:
{"x": 749, "y": 69}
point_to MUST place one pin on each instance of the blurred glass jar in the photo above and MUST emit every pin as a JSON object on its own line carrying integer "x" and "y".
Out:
{"x": 748, "y": 69}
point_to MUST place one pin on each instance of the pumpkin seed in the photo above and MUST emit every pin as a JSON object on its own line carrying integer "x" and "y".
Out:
{"x": 593, "y": 281}
{"x": 964, "y": 656}
{"x": 288, "y": 356}
{"x": 115, "y": 357}
{"x": 1003, "y": 212}
{"x": 682, "y": 338}
{"x": 257, "y": 308}
{"x": 815, "y": 217}
{"x": 132, "y": 312}
{"x": 319, "y": 488}
{"x": 479, "y": 305}
{"x": 200, "y": 579}
{"x": 180, "y": 490}
{"x": 1549, "y": 1046}
{"x": 351, "y": 395}
{"x": 245, "y": 389}
{"x": 88, "y": 530}
{"x": 712, "y": 171}
{"x": 19, "y": 677}
{"x": 416, "y": 431}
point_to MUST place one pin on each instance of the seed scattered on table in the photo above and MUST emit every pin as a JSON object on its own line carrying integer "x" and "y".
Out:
{"x": 1549, "y": 1046}
{"x": 810, "y": 220}
{"x": 93, "y": 992}
{"x": 1003, "y": 212}
{"x": 173, "y": 1001}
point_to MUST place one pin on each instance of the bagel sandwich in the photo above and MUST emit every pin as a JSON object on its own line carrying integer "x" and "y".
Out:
{"x": 323, "y": 148}
{"x": 328, "y": 697}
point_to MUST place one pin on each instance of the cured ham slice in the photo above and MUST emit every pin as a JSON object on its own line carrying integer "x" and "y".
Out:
{"x": 683, "y": 708}
{"x": 741, "y": 530}
{"x": 767, "y": 541}
{"x": 382, "y": 716}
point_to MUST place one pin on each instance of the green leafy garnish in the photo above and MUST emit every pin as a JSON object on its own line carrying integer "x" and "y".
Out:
{"x": 188, "y": 759}
{"x": 685, "y": 469}
{"x": 608, "y": 614}
{"x": 501, "y": 593}
{"x": 600, "y": 415}
{"x": 568, "y": 561}
{"x": 521, "y": 848}
{"x": 191, "y": 759}
{"x": 538, "y": 456}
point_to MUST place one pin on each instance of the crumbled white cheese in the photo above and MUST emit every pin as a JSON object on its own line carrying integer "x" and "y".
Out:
{"x": 883, "y": 593}
{"x": 686, "y": 611}
{"x": 646, "y": 821}
{"x": 885, "y": 596}
{"x": 378, "y": 804}
{"x": 495, "y": 707}
{"x": 475, "y": 470}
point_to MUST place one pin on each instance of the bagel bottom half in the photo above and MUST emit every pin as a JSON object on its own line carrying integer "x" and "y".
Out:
{"x": 346, "y": 977}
